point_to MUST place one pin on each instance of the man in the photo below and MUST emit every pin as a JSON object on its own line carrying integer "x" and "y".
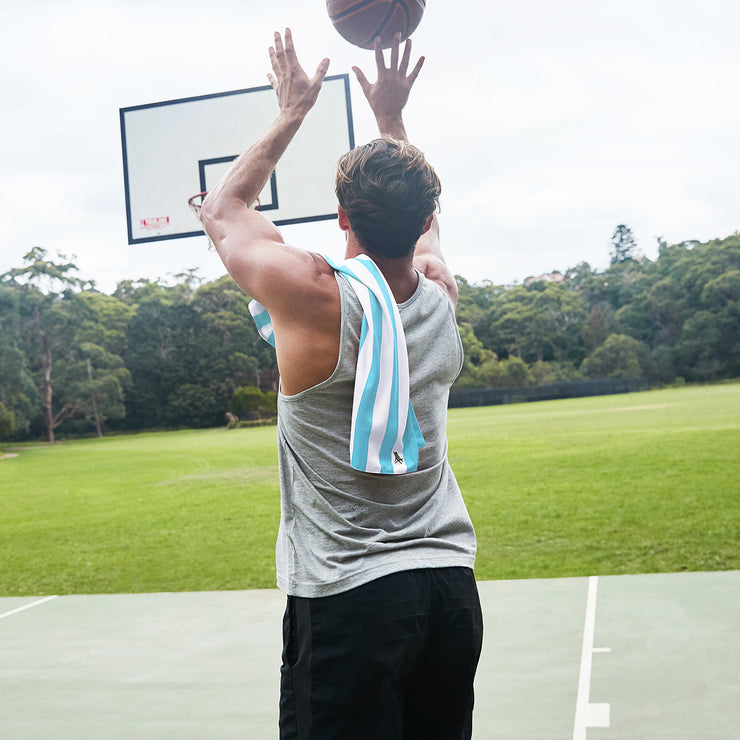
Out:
{"x": 382, "y": 630}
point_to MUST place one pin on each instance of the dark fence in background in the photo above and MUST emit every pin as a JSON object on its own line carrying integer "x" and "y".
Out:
{"x": 575, "y": 389}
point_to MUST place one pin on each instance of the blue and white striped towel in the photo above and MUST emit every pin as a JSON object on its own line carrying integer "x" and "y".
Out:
{"x": 385, "y": 436}
{"x": 263, "y": 321}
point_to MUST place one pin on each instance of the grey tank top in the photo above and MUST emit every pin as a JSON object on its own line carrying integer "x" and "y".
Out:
{"x": 339, "y": 527}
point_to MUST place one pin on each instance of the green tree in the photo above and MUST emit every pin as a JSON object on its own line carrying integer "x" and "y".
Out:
{"x": 698, "y": 358}
{"x": 162, "y": 353}
{"x": 17, "y": 390}
{"x": 599, "y": 324}
{"x": 238, "y": 355}
{"x": 480, "y": 366}
{"x": 200, "y": 337}
{"x": 475, "y": 300}
{"x": 7, "y": 422}
{"x": 105, "y": 321}
{"x": 541, "y": 321}
{"x": 617, "y": 358}
{"x": 97, "y": 384}
{"x": 721, "y": 291}
{"x": 624, "y": 246}
{"x": 515, "y": 373}
{"x": 658, "y": 363}
{"x": 545, "y": 373}
{"x": 134, "y": 292}
{"x": 654, "y": 316}
{"x": 249, "y": 402}
{"x": 49, "y": 314}
{"x": 193, "y": 406}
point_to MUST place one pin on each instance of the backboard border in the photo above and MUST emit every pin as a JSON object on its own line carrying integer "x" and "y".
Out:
{"x": 176, "y": 101}
{"x": 273, "y": 205}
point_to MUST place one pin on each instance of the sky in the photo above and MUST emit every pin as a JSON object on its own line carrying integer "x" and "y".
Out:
{"x": 549, "y": 123}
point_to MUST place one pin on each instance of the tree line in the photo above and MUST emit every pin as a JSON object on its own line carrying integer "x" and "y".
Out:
{"x": 156, "y": 354}
{"x": 674, "y": 319}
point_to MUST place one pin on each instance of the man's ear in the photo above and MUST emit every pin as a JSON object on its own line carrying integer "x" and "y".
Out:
{"x": 344, "y": 224}
{"x": 428, "y": 224}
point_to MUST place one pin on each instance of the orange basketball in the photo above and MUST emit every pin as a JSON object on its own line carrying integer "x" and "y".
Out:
{"x": 360, "y": 21}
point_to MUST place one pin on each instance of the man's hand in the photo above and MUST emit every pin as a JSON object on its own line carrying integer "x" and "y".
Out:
{"x": 388, "y": 96}
{"x": 296, "y": 93}
{"x": 242, "y": 184}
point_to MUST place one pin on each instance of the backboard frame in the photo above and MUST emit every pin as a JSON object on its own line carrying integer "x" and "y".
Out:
{"x": 269, "y": 196}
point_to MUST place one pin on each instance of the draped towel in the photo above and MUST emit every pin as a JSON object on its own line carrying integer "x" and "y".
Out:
{"x": 263, "y": 321}
{"x": 385, "y": 436}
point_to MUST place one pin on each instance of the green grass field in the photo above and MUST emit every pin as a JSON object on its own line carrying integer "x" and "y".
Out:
{"x": 638, "y": 483}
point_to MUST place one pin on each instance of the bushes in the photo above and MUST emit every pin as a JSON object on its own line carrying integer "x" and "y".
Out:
{"x": 7, "y": 422}
{"x": 616, "y": 358}
{"x": 193, "y": 406}
{"x": 249, "y": 402}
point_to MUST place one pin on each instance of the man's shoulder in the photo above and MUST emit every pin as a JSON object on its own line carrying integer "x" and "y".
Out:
{"x": 299, "y": 291}
{"x": 298, "y": 274}
{"x": 435, "y": 270}
{"x": 320, "y": 263}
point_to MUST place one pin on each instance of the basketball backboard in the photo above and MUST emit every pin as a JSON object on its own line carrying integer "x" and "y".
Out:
{"x": 178, "y": 148}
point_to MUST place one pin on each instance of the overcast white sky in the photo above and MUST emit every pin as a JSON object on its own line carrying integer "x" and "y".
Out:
{"x": 548, "y": 122}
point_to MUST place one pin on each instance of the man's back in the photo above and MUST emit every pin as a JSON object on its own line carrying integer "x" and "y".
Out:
{"x": 341, "y": 527}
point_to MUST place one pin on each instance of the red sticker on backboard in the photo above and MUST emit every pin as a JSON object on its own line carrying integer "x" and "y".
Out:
{"x": 154, "y": 224}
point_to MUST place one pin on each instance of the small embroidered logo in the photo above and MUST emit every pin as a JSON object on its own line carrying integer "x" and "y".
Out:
{"x": 397, "y": 459}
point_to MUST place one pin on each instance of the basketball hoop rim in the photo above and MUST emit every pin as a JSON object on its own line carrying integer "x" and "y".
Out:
{"x": 197, "y": 206}
{"x": 191, "y": 199}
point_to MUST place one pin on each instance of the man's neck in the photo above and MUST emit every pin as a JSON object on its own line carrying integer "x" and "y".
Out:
{"x": 399, "y": 273}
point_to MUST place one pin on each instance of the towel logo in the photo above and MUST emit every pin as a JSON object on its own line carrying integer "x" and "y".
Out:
{"x": 397, "y": 459}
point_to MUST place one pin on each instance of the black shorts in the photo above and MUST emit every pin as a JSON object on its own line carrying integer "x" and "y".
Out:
{"x": 394, "y": 658}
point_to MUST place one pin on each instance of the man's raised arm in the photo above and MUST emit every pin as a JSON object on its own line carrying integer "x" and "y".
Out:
{"x": 387, "y": 99}
{"x": 245, "y": 240}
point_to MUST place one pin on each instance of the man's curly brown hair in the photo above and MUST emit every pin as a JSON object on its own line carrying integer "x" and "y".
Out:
{"x": 388, "y": 191}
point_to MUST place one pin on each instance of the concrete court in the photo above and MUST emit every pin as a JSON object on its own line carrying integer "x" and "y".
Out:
{"x": 653, "y": 657}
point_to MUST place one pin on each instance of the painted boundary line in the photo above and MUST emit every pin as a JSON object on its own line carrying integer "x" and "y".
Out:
{"x": 588, "y": 714}
{"x": 27, "y": 606}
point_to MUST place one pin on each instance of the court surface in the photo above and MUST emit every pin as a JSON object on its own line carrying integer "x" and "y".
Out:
{"x": 607, "y": 658}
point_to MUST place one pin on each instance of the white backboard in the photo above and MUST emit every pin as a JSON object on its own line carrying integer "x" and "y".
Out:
{"x": 176, "y": 149}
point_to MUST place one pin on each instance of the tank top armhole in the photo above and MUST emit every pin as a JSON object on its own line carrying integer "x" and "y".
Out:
{"x": 460, "y": 348}
{"x": 451, "y": 313}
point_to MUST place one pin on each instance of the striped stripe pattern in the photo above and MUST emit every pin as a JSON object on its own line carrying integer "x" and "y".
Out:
{"x": 385, "y": 436}
{"x": 263, "y": 321}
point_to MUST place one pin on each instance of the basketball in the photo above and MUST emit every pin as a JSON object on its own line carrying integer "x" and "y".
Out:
{"x": 360, "y": 21}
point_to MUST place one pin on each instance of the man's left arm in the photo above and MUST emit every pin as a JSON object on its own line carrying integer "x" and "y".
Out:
{"x": 387, "y": 98}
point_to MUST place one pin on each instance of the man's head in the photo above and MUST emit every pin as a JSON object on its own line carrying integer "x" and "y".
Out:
{"x": 388, "y": 191}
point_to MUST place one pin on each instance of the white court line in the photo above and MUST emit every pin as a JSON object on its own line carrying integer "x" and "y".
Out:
{"x": 27, "y": 606}
{"x": 588, "y": 714}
